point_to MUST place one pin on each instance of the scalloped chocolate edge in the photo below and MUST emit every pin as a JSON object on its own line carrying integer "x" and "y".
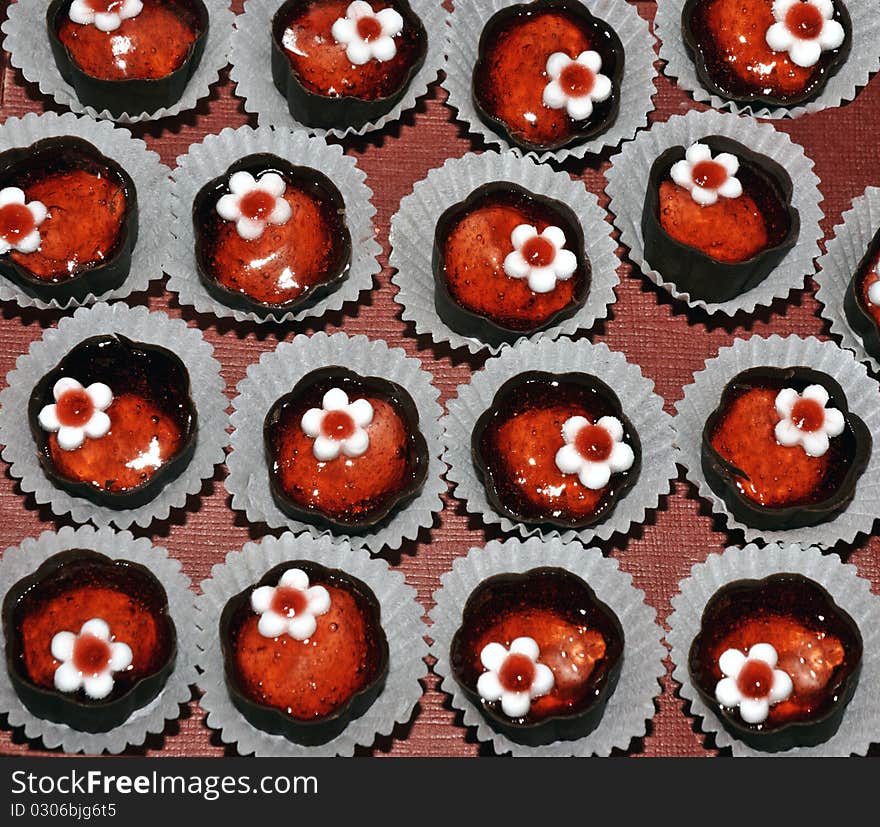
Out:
{"x": 312, "y": 732}
{"x": 794, "y": 733}
{"x": 718, "y": 471}
{"x": 693, "y": 271}
{"x": 860, "y": 320}
{"x": 64, "y": 708}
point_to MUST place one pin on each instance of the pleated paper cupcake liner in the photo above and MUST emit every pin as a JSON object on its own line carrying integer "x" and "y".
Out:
{"x": 250, "y": 57}
{"x": 211, "y": 158}
{"x": 629, "y": 174}
{"x": 631, "y": 704}
{"x": 863, "y": 61}
{"x": 275, "y": 375}
{"x": 860, "y": 726}
{"x": 637, "y": 89}
{"x": 412, "y": 240}
{"x": 151, "y": 182}
{"x": 139, "y": 325}
{"x": 401, "y": 620}
{"x": 862, "y": 395}
{"x": 642, "y": 406}
{"x": 22, "y": 561}
{"x": 29, "y": 49}
{"x": 852, "y": 238}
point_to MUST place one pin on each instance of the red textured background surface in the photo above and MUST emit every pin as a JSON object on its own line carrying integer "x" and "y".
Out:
{"x": 667, "y": 340}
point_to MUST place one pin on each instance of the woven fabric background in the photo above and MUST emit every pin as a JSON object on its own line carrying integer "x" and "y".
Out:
{"x": 668, "y": 342}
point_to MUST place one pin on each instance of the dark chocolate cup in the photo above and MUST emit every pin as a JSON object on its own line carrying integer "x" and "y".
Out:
{"x": 758, "y": 99}
{"x": 485, "y": 475}
{"x": 100, "y": 278}
{"x": 346, "y": 111}
{"x": 121, "y": 97}
{"x": 795, "y": 733}
{"x": 213, "y": 190}
{"x": 690, "y": 269}
{"x": 80, "y": 714}
{"x": 719, "y": 471}
{"x": 275, "y": 721}
{"x": 405, "y": 405}
{"x": 612, "y": 109}
{"x": 555, "y": 727}
{"x": 123, "y": 347}
{"x": 467, "y": 323}
{"x": 860, "y": 320}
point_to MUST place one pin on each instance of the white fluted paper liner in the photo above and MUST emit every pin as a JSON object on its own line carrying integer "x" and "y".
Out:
{"x": 151, "y": 182}
{"x": 22, "y": 561}
{"x": 844, "y": 253}
{"x": 631, "y": 704}
{"x": 29, "y": 49}
{"x": 210, "y": 159}
{"x": 139, "y": 325}
{"x": 863, "y": 398}
{"x": 863, "y": 61}
{"x": 401, "y": 620}
{"x": 275, "y": 375}
{"x": 637, "y": 87}
{"x": 251, "y": 59}
{"x": 860, "y": 726}
{"x": 412, "y": 240}
{"x": 628, "y": 176}
{"x": 641, "y": 405}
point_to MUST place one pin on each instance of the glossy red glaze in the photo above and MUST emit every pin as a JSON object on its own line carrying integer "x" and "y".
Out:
{"x": 16, "y": 222}
{"x": 309, "y": 679}
{"x": 257, "y": 205}
{"x": 519, "y": 446}
{"x": 321, "y": 65}
{"x": 732, "y": 36}
{"x": 733, "y": 229}
{"x": 870, "y": 276}
{"x": 805, "y": 21}
{"x": 517, "y": 673}
{"x": 289, "y": 602}
{"x": 103, "y": 6}
{"x": 74, "y": 408}
{"x": 91, "y": 655}
{"x": 594, "y": 443}
{"x": 476, "y": 244}
{"x": 142, "y": 438}
{"x": 808, "y": 415}
{"x": 510, "y": 85}
{"x": 577, "y": 79}
{"x": 755, "y": 679}
{"x": 337, "y": 425}
{"x": 709, "y": 174}
{"x": 369, "y": 28}
{"x": 86, "y": 214}
{"x": 771, "y": 474}
{"x": 147, "y": 47}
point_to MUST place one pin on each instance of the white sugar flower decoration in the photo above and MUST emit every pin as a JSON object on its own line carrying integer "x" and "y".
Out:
{"x": 254, "y": 203}
{"x": 290, "y": 607}
{"x": 804, "y": 29}
{"x": 706, "y": 178}
{"x": 338, "y": 426}
{"x": 514, "y": 676}
{"x": 78, "y": 412}
{"x": 874, "y": 293}
{"x": 806, "y": 421}
{"x": 594, "y": 451}
{"x": 89, "y": 659}
{"x": 20, "y": 219}
{"x": 539, "y": 257}
{"x": 751, "y": 682}
{"x": 575, "y": 84}
{"x": 105, "y": 15}
{"x": 368, "y": 35}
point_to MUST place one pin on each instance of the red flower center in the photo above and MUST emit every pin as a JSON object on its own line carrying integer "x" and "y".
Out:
{"x": 104, "y": 6}
{"x": 538, "y": 252}
{"x": 808, "y": 415}
{"x": 594, "y": 443}
{"x": 289, "y": 602}
{"x": 709, "y": 175}
{"x": 517, "y": 673}
{"x": 369, "y": 28}
{"x": 91, "y": 655}
{"x": 257, "y": 205}
{"x": 75, "y": 408}
{"x": 577, "y": 80}
{"x": 337, "y": 425}
{"x": 16, "y": 222}
{"x": 805, "y": 21}
{"x": 755, "y": 679}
